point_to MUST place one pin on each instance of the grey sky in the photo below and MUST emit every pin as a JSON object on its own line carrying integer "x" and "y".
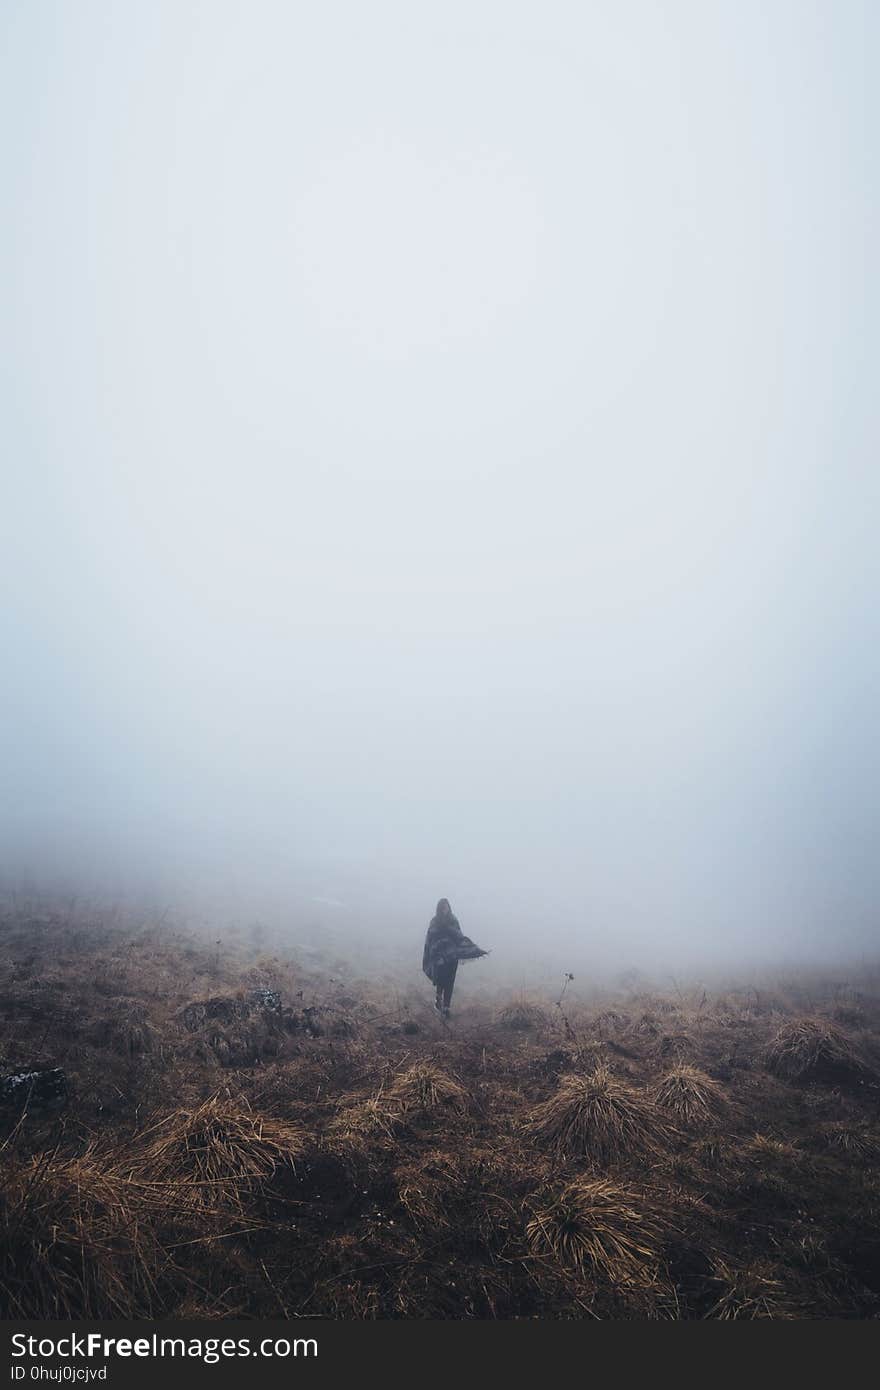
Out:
{"x": 440, "y": 457}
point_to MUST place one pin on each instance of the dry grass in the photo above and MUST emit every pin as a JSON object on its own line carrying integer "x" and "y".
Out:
{"x": 363, "y": 1121}
{"x": 78, "y": 1241}
{"x": 466, "y": 1194}
{"x": 423, "y": 1088}
{"x": 647, "y": 1025}
{"x": 750, "y": 1292}
{"x": 127, "y": 1031}
{"x": 770, "y": 1150}
{"x": 522, "y": 1017}
{"x": 673, "y": 1047}
{"x": 598, "y": 1116}
{"x": 597, "y": 1228}
{"x": 812, "y": 1049}
{"x": 441, "y": 1181}
{"x": 854, "y": 1141}
{"x": 690, "y": 1096}
{"x": 218, "y": 1151}
{"x": 431, "y": 1190}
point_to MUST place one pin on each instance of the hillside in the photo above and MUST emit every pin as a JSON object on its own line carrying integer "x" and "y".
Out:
{"x": 236, "y": 1131}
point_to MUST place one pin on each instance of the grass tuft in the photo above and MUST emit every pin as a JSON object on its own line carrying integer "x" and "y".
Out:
{"x": 598, "y": 1116}
{"x": 596, "y": 1228}
{"x": 690, "y": 1096}
{"x": 811, "y": 1049}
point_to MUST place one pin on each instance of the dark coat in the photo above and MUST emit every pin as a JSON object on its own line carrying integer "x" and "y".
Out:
{"x": 445, "y": 943}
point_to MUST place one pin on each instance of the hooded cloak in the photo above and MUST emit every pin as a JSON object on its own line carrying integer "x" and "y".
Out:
{"x": 445, "y": 943}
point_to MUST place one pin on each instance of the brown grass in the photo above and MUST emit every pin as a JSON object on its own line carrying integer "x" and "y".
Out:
{"x": 813, "y": 1049}
{"x": 78, "y": 1241}
{"x": 750, "y": 1292}
{"x": 849, "y": 1140}
{"x": 595, "y": 1227}
{"x": 522, "y": 1017}
{"x": 424, "y": 1087}
{"x": 419, "y": 1171}
{"x": 430, "y": 1191}
{"x": 690, "y": 1096}
{"x": 218, "y": 1151}
{"x": 360, "y": 1122}
{"x": 598, "y": 1116}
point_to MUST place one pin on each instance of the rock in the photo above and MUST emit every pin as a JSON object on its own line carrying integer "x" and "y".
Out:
{"x": 266, "y": 999}
{"x": 33, "y": 1088}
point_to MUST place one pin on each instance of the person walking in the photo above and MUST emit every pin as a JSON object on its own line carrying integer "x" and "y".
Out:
{"x": 445, "y": 946}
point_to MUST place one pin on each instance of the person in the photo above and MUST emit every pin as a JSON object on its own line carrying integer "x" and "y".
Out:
{"x": 445, "y": 946}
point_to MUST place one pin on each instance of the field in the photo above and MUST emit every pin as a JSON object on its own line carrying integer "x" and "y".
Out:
{"x": 240, "y": 1131}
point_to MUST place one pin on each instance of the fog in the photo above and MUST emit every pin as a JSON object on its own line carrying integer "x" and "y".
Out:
{"x": 440, "y": 458}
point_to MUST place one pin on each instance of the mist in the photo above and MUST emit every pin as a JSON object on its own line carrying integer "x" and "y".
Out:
{"x": 439, "y": 459}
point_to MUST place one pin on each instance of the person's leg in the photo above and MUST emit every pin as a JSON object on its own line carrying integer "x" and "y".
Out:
{"x": 448, "y": 985}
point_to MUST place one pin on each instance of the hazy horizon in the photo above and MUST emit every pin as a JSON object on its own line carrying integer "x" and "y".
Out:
{"x": 441, "y": 460}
